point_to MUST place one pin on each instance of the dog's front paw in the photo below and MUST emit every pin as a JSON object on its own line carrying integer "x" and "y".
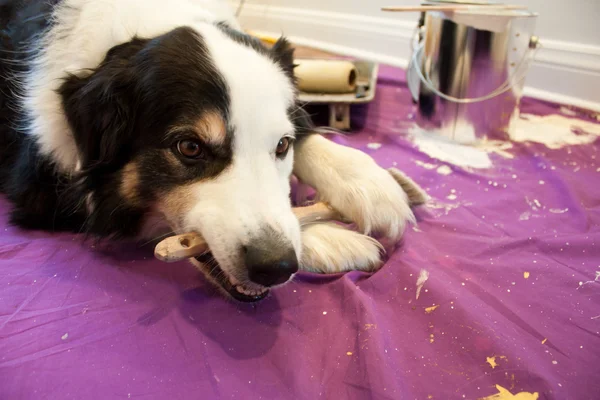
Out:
{"x": 376, "y": 200}
{"x": 328, "y": 248}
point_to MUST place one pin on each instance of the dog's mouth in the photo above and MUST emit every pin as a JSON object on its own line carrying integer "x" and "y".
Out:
{"x": 247, "y": 293}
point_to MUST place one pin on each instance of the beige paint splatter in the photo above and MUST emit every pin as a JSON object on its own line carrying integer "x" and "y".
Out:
{"x": 348, "y": 353}
{"x": 431, "y": 309}
{"x": 526, "y": 275}
{"x": 492, "y": 360}
{"x": 554, "y": 131}
{"x": 431, "y": 338}
{"x": 545, "y": 340}
{"x": 423, "y": 276}
{"x": 504, "y": 394}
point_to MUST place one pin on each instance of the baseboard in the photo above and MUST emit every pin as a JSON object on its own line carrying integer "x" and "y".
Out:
{"x": 563, "y": 72}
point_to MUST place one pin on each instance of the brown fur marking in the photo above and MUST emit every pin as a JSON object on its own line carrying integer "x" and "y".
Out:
{"x": 130, "y": 180}
{"x": 211, "y": 128}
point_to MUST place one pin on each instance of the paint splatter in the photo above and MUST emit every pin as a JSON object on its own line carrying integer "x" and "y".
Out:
{"x": 525, "y": 216}
{"x": 504, "y": 394}
{"x": 526, "y": 275}
{"x": 348, "y": 353}
{"x": 444, "y": 170}
{"x": 534, "y": 204}
{"x": 431, "y": 309}
{"x": 568, "y": 111}
{"x": 558, "y": 210}
{"x": 65, "y": 336}
{"x": 545, "y": 340}
{"x": 554, "y": 131}
{"x": 451, "y": 196}
{"x": 596, "y": 279}
{"x": 374, "y": 146}
{"x": 492, "y": 360}
{"x": 423, "y": 276}
{"x": 425, "y": 165}
{"x": 449, "y": 151}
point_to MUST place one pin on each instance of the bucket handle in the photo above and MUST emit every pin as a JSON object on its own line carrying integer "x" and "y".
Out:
{"x": 534, "y": 46}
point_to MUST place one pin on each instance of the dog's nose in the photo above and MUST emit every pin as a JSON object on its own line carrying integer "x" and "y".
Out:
{"x": 270, "y": 262}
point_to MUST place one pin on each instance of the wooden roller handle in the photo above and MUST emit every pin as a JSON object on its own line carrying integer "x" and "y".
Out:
{"x": 191, "y": 244}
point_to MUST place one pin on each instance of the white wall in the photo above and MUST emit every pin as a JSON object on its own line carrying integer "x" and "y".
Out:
{"x": 567, "y": 68}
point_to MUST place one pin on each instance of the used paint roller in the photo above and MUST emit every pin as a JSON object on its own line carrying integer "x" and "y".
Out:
{"x": 326, "y": 76}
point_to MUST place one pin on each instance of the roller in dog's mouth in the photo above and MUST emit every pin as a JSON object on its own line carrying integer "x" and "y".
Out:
{"x": 234, "y": 288}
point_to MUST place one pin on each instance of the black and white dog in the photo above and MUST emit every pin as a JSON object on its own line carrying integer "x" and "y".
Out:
{"x": 131, "y": 118}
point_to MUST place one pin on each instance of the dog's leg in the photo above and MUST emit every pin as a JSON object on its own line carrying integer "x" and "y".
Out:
{"x": 356, "y": 186}
{"x": 328, "y": 248}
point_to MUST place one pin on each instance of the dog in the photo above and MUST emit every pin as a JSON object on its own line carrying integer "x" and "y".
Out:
{"x": 140, "y": 118}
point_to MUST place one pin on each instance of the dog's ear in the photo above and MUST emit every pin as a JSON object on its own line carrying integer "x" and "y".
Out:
{"x": 100, "y": 110}
{"x": 282, "y": 53}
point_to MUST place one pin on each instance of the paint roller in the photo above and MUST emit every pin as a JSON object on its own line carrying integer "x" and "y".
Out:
{"x": 326, "y": 76}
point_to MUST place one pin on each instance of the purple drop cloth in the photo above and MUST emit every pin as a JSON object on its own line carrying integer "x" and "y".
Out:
{"x": 510, "y": 300}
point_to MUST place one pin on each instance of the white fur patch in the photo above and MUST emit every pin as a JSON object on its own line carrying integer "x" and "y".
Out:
{"x": 355, "y": 185}
{"x": 329, "y": 248}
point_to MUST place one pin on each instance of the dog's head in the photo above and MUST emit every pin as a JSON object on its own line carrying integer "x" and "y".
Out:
{"x": 197, "y": 125}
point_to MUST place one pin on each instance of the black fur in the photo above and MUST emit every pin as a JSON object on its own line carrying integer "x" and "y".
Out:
{"x": 120, "y": 112}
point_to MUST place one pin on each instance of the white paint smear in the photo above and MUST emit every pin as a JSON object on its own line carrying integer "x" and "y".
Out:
{"x": 554, "y": 131}
{"x": 444, "y": 170}
{"x": 425, "y": 165}
{"x": 374, "y": 146}
{"x": 423, "y": 276}
{"x": 442, "y": 149}
{"x": 558, "y": 210}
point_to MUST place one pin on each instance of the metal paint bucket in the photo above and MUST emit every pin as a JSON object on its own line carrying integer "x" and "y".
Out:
{"x": 467, "y": 71}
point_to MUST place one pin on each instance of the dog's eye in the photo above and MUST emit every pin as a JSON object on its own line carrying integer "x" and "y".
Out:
{"x": 189, "y": 148}
{"x": 283, "y": 146}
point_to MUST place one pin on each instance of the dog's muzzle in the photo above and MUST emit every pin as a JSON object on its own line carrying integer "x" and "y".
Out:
{"x": 270, "y": 258}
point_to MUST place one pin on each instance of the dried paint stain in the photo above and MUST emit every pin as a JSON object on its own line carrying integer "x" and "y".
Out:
{"x": 444, "y": 170}
{"x": 425, "y": 165}
{"x": 554, "y": 131}
{"x": 431, "y": 309}
{"x": 374, "y": 146}
{"x": 492, "y": 360}
{"x": 504, "y": 394}
{"x": 423, "y": 276}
